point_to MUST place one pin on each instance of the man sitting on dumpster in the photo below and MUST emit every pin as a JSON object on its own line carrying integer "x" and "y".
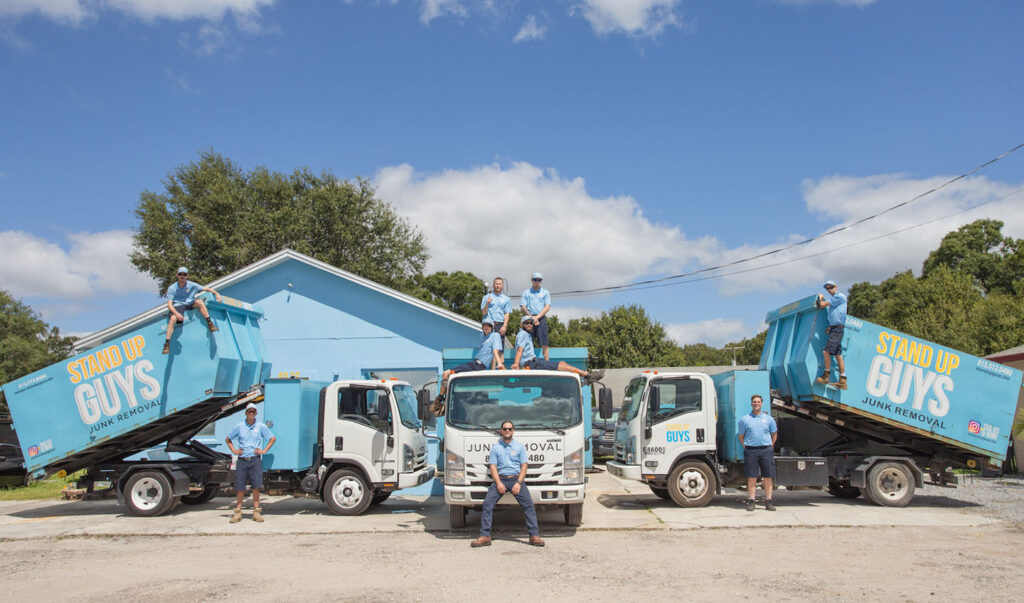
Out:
{"x": 181, "y": 296}
{"x": 489, "y": 356}
{"x": 525, "y": 357}
{"x": 836, "y": 304}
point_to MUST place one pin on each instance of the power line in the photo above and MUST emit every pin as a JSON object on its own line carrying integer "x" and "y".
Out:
{"x": 838, "y": 229}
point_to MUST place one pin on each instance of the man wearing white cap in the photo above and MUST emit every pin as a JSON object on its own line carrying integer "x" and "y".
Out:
{"x": 836, "y": 304}
{"x": 249, "y": 440}
{"x": 489, "y": 356}
{"x": 181, "y": 296}
{"x": 535, "y": 303}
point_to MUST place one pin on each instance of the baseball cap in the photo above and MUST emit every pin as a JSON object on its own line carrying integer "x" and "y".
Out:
{"x": 537, "y": 276}
{"x": 829, "y": 284}
{"x": 183, "y": 269}
{"x": 527, "y": 319}
{"x": 487, "y": 321}
{"x": 250, "y": 406}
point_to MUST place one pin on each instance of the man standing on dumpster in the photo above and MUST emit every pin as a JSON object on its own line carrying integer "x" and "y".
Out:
{"x": 249, "y": 440}
{"x": 535, "y": 303}
{"x": 757, "y": 433}
{"x": 836, "y": 304}
{"x": 508, "y": 463}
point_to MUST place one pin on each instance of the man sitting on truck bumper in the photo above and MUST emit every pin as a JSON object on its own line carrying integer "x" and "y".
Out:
{"x": 508, "y": 464}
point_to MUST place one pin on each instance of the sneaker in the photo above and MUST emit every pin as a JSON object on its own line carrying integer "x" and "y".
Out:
{"x": 841, "y": 384}
{"x": 209, "y": 324}
{"x": 822, "y": 379}
{"x": 236, "y": 517}
{"x": 167, "y": 347}
{"x": 257, "y": 514}
{"x": 536, "y": 541}
{"x": 594, "y": 375}
{"x": 750, "y": 504}
{"x": 482, "y": 541}
{"x": 769, "y": 505}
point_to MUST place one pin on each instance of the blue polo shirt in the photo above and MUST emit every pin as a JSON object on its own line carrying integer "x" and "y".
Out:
{"x": 182, "y": 296}
{"x": 500, "y": 306}
{"x": 757, "y": 429}
{"x": 488, "y": 343}
{"x": 508, "y": 458}
{"x": 836, "y": 308}
{"x": 534, "y": 301}
{"x": 250, "y": 437}
{"x": 525, "y": 341}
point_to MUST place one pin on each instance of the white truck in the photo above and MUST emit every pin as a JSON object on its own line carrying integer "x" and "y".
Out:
{"x": 547, "y": 410}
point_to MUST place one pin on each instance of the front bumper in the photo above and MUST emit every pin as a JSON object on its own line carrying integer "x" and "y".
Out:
{"x": 541, "y": 495}
{"x": 624, "y": 471}
{"x": 411, "y": 480}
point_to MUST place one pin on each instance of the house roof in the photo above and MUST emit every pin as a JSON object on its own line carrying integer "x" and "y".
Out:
{"x": 1009, "y": 355}
{"x": 255, "y": 268}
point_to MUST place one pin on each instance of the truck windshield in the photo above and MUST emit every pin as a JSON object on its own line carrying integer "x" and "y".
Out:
{"x": 542, "y": 402}
{"x": 406, "y": 399}
{"x": 631, "y": 402}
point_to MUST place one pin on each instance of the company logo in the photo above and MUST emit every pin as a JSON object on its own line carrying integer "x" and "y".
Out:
{"x": 33, "y": 450}
{"x": 983, "y": 430}
{"x": 40, "y": 448}
{"x": 974, "y": 427}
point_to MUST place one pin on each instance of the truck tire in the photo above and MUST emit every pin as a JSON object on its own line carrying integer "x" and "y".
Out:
{"x": 457, "y": 516}
{"x": 891, "y": 484}
{"x": 842, "y": 490}
{"x": 661, "y": 493}
{"x": 148, "y": 494}
{"x": 691, "y": 484}
{"x": 379, "y": 497}
{"x": 573, "y": 514}
{"x": 204, "y": 496}
{"x": 347, "y": 492}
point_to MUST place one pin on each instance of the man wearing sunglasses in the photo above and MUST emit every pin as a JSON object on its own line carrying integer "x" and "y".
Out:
{"x": 508, "y": 464}
{"x": 525, "y": 358}
{"x": 181, "y": 296}
{"x": 836, "y": 304}
{"x": 535, "y": 304}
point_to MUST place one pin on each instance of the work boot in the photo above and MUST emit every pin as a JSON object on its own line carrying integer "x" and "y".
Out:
{"x": 841, "y": 384}
{"x": 536, "y": 541}
{"x": 209, "y": 324}
{"x": 167, "y": 347}
{"x": 822, "y": 379}
{"x": 482, "y": 541}
{"x": 257, "y": 514}
{"x": 594, "y": 375}
{"x": 769, "y": 505}
{"x": 750, "y": 504}
{"x": 437, "y": 407}
{"x": 236, "y": 517}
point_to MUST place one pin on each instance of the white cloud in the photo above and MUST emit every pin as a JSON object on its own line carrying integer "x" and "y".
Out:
{"x": 432, "y": 9}
{"x": 76, "y": 11}
{"x": 638, "y": 18}
{"x": 530, "y": 30}
{"x": 72, "y": 12}
{"x": 715, "y": 332}
{"x": 180, "y": 81}
{"x": 95, "y": 263}
{"x": 567, "y": 313}
{"x": 475, "y": 220}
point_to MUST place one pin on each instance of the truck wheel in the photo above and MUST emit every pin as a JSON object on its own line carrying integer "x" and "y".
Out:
{"x": 661, "y": 493}
{"x": 347, "y": 492}
{"x": 379, "y": 497}
{"x": 842, "y": 490}
{"x": 573, "y": 514}
{"x": 198, "y": 498}
{"x": 866, "y": 493}
{"x": 691, "y": 484}
{"x": 147, "y": 494}
{"x": 891, "y": 484}
{"x": 457, "y": 516}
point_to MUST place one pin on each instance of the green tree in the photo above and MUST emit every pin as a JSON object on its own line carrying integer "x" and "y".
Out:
{"x": 701, "y": 354}
{"x": 624, "y": 336}
{"x": 979, "y": 249}
{"x": 458, "y": 291}
{"x": 27, "y": 344}
{"x": 215, "y": 217}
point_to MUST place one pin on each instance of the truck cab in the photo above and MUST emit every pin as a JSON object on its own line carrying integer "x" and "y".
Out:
{"x": 547, "y": 410}
{"x": 665, "y": 435}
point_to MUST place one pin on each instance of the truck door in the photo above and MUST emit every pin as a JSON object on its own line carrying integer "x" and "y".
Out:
{"x": 677, "y": 419}
{"x": 357, "y": 423}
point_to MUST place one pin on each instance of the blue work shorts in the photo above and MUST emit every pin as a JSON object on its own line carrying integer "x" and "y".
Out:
{"x": 834, "y": 345}
{"x": 759, "y": 461}
{"x": 249, "y": 470}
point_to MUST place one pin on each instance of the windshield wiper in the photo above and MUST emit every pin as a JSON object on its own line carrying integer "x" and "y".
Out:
{"x": 542, "y": 426}
{"x": 493, "y": 430}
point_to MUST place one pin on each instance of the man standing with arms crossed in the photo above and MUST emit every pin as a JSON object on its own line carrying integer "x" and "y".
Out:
{"x": 535, "y": 303}
{"x": 508, "y": 470}
{"x": 836, "y": 304}
{"x": 250, "y": 440}
{"x": 757, "y": 433}
{"x": 497, "y": 307}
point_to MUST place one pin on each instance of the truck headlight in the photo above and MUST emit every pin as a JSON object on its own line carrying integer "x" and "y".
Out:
{"x": 408, "y": 458}
{"x": 631, "y": 451}
{"x": 454, "y": 469}
{"x": 572, "y": 468}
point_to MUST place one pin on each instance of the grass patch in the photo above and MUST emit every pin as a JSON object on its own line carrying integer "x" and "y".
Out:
{"x": 47, "y": 489}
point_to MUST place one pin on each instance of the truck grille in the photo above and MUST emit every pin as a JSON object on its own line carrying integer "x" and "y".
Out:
{"x": 537, "y": 474}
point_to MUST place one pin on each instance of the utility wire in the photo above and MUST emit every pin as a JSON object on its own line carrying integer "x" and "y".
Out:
{"x": 838, "y": 229}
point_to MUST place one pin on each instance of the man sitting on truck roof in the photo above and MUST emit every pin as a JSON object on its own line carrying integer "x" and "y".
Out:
{"x": 181, "y": 296}
{"x": 525, "y": 357}
{"x": 836, "y": 304}
{"x": 489, "y": 356}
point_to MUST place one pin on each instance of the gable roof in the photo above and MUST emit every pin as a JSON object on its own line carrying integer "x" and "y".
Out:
{"x": 257, "y": 267}
{"x": 1009, "y": 355}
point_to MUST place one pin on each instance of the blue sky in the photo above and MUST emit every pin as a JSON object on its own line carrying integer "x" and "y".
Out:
{"x": 615, "y": 140}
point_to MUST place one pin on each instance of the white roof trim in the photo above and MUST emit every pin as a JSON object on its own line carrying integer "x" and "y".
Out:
{"x": 270, "y": 261}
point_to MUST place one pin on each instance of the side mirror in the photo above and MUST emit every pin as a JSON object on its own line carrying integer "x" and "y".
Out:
{"x": 423, "y": 405}
{"x": 653, "y": 401}
{"x": 604, "y": 403}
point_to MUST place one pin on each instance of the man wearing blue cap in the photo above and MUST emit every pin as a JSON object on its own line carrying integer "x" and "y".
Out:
{"x": 836, "y": 304}
{"x": 535, "y": 304}
{"x": 489, "y": 356}
{"x": 181, "y": 296}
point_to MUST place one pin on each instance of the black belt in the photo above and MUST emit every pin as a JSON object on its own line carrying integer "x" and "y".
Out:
{"x": 757, "y": 447}
{"x": 515, "y": 475}
{"x": 247, "y": 458}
